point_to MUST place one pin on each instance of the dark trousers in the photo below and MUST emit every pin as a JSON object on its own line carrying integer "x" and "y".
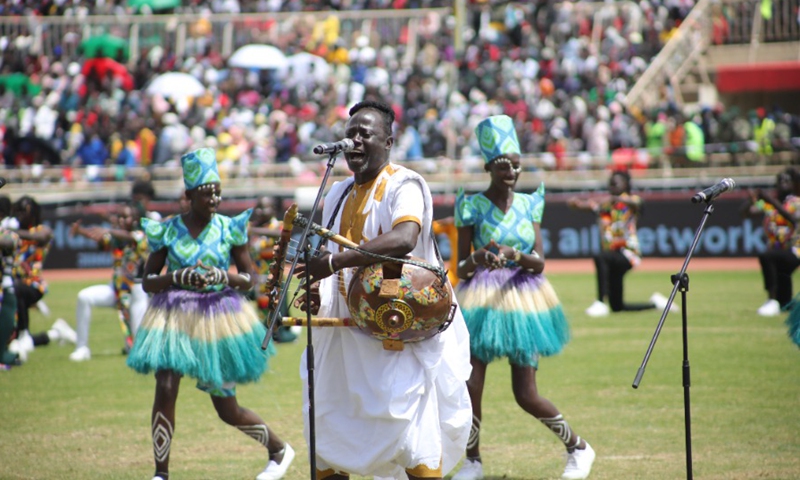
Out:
{"x": 611, "y": 268}
{"x": 8, "y": 313}
{"x": 777, "y": 267}
{"x": 27, "y": 297}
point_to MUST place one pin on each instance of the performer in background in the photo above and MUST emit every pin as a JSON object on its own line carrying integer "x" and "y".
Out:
{"x": 199, "y": 323}
{"x": 29, "y": 284}
{"x": 142, "y": 193}
{"x": 264, "y": 229}
{"x": 128, "y": 245}
{"x": 510, "y": 308}
{"x": 779, "y": 260}
{"x": 8, "y": 305}
{"x": 617, "y": 215}
{"x": 382, "y": 413}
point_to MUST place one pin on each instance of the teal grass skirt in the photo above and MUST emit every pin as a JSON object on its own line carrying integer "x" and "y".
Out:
{"x": 512, "y": 313}
{"x": 793, "y": 320}
{"x": 214, "y": 337}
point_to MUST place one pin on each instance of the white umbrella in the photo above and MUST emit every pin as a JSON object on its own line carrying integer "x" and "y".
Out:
{"x": 175, "y": 85}
{"x": 303, "y": 64}
{"x": 258, "y": 56}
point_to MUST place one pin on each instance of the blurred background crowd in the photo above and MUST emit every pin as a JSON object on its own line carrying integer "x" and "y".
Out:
{"x": 560, "y": 69}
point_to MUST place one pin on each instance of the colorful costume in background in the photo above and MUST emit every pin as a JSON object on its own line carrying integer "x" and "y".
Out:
{"x": 619, "y": 243}
{"x": 778, "y": 230}
{"x": 781, "y": 236}
{"x": 29, "y": 263}
{"x": 381, "y": 411}
{"x": 782, "y": 256}
{"x": 617, "y": 224}
{"x": 510, "y": 312}
{"x": 29, "y": 284}
{"x": 129, "y": 297}
{"x": 213, "y": 335}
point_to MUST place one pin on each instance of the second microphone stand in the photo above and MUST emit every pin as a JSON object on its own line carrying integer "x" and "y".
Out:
{"x": 304, "y": 244}
{"x": 680, "y": 282}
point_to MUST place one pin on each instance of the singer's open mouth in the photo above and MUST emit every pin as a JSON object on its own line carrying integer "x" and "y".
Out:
{"x": 357, "y": 156}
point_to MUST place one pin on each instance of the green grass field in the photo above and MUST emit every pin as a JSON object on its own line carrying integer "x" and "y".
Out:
{"x": 62, "y": 420}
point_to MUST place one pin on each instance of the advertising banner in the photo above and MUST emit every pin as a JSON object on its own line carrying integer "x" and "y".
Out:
{"x": 666, "y": 229}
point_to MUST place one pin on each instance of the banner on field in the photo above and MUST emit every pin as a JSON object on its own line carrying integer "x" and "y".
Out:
{"x": 666, "y": 229}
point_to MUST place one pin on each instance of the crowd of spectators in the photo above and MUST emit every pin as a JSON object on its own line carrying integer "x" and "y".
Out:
{"x": 539, "y": 63}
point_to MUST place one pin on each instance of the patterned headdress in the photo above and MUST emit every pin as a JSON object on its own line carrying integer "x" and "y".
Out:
{"x": 199, "y": 168}
{"x": 497, "y": 136}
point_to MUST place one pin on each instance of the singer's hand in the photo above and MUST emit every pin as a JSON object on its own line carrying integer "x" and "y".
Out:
{"x": 314, "y": 298}
{"x": 318, "y": 268}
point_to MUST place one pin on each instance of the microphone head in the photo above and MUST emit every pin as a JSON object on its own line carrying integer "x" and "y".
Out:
{"x": 729, "y": 183}
{"x": 348, "y": 144}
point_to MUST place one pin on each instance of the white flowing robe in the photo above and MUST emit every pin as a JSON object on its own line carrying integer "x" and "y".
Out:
{"x": 379, "y": 411}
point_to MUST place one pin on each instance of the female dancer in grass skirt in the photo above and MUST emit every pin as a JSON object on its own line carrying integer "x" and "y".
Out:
{"x": 793, "y": 320}
{"x": 198, "y": 323}
{"x": 510, "y": 308}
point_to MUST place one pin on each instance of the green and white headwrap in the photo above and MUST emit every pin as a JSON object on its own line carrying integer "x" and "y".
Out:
{"x": 497, "y": 136}
{"x": 199, "y": 168}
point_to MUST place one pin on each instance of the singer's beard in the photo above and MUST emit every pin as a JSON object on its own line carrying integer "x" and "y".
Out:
{"x": 357, "y": 165}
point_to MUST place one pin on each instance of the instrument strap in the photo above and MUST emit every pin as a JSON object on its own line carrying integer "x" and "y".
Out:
{"x": 339, "y": 205}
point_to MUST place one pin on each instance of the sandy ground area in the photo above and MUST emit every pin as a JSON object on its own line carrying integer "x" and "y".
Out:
{"x": 553, "y": 266}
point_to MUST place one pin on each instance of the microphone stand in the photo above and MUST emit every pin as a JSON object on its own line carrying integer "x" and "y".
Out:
{"x": 305, "y": 245}
{"x": 680, "y": 282}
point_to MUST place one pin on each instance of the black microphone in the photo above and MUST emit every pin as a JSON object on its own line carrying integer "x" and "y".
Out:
{"x": 3, "y": 182}
{"x": 344, "y": 145}
{"x": 715, "y": 191}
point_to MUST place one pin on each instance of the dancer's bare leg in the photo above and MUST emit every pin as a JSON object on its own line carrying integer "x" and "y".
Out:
{"x": 163, "y": 418}
{"x": 248, "y": 422}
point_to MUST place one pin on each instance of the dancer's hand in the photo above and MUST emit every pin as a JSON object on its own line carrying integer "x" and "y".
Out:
{"x": 486, "y": 258}
{"x": 213, "y": 275}
{"x": 188, "y": 277}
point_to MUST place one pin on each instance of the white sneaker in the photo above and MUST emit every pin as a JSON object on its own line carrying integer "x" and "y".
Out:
{"x": 470, "y": 470}
{"x": 597, "y": 309}
{"x": 81, "y": 354}
{"x": 579, "y": 463}
{"x": 660, "y": 301}
{"x": 43, "y": 308}
{"x": 15, "y": 347}
{"x": 276, "y": 471}
{"x": 63, "y": 332}
{"x": 23, "y": 346}
{"x": 770, "y": 308}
